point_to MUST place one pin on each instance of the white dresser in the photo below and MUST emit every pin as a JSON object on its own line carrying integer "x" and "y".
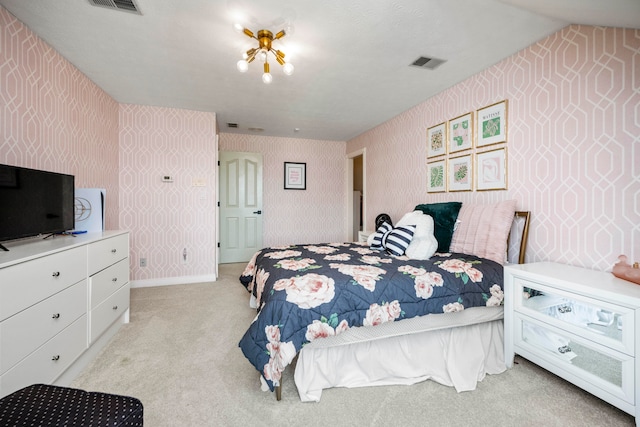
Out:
{"x": 61, "y": 300}
{"x": 580, "y": 324}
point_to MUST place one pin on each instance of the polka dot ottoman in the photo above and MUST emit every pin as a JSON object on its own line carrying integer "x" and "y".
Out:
{"x": 47, "y": 405}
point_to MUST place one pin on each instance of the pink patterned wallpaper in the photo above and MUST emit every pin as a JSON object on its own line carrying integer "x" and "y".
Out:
{"x": 315, "y": 215}
{"x": 168, "y": 217}
{"x": 573, "y": 152}
{"x": 52, "y": 117}
{"x": 573, "y": 145}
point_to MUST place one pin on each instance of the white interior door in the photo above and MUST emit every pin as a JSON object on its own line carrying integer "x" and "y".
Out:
{"x": 240, "y": 206}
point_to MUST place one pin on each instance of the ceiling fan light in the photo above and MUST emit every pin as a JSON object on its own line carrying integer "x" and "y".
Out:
{"x": 288, "y": 68}
{"x": 242, "y": 66}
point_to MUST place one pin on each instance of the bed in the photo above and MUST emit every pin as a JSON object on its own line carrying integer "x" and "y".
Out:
{"x": 355, "y": 316}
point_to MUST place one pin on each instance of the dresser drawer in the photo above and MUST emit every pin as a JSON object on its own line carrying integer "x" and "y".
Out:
{"x": 107, "y": 281}
{"x": 604, "y": 323}
{"x": 27, "y": 330}
{"x": 108, "y": 311}
{"x": 605, "y": 369}
{"x": 49, "y": 361}
{"x": 106, "y": 252}
{"x": 23, "y": 285}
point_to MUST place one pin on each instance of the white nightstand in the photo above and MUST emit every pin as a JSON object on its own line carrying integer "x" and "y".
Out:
{"x": 363, "y": 235}
{"x": 580, "y": 324}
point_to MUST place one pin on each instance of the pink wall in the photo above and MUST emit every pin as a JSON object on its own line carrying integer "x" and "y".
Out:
{"x": 315, "y": 215}
{"x": 52, "y": 117}
{"x": 573, "y": 145}
{"x": 167, "y": 217}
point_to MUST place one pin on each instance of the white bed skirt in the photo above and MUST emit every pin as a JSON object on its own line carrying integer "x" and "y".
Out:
{"x": 410, "y": 351}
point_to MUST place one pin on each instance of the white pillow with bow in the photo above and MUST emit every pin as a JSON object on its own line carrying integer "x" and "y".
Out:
{"x": 424, "y": 244}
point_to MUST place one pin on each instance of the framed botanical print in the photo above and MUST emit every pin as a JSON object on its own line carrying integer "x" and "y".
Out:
{"x": 491, "y": 122}
{"x": 491, "y": 170}
{"x": 437, "y": 177}
{"x": 460, "y": 133}
{"x": 459, "y": 171}
{"x": 436, "y": 140}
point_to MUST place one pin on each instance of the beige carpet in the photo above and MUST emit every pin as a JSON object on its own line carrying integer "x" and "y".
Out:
{"x": 180, "y": 357}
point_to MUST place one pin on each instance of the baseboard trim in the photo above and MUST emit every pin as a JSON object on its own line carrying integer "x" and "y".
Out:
{"x": 168, "y": 281}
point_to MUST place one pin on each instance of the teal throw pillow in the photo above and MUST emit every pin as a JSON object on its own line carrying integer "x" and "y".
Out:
{"x": 444, "y": 219}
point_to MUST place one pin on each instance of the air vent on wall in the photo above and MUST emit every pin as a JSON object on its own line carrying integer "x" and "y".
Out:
{"x": 125, "y": 5}
{"x": 232, "y": 125}
{"x": 428, "y": 63}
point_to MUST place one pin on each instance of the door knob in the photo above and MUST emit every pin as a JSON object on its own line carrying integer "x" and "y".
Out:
{"x": 258, "y": 212}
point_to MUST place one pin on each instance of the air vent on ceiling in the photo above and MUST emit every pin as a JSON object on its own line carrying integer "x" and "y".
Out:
{"x": 125, "y": 5}
{"x": 428, "y": 63}
{"x": 232, "y": 125}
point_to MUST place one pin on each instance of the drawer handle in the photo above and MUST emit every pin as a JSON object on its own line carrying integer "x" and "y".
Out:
{"x": 56, "y": 274}
{"x": 56, "y": 358}
{"x": 564, "y": 309}
{"x": 564, "y": 349}
{"x": 113, "y": 251}
{"x": 55, "y": 316}
{"x": 115, "y": 279}
{"x": 115, "y": 307}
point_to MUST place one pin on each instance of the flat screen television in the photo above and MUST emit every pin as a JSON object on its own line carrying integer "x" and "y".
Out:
{"x": 34, "y": 202}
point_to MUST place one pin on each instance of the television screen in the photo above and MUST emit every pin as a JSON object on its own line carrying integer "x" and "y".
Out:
{"x": 34, "y": 202}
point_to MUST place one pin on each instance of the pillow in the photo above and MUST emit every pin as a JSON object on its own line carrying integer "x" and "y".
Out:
{"x": 444, "y": 218}
{"x": 394, "y": 240}
{"x": 424, "y": 244}
{"x": 482, "y": 230}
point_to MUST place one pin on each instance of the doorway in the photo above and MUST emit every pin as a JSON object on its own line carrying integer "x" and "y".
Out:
{"x": 356, "y": 194}
{"x": 240, "y": 192}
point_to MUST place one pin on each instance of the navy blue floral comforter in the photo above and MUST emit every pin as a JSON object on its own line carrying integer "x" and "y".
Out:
{"x": 306, "y": 292}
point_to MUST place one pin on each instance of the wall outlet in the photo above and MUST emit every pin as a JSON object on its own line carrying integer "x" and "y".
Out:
{"x": 143, "y": 262}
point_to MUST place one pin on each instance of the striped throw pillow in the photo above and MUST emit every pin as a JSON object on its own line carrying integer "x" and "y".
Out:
{"x": 394, "y": 240}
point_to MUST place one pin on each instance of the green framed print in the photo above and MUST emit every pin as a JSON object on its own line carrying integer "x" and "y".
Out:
{"x": 461, "y": 133}
{"x": 460, "y": 176}
{"x": 437, "y": 177}
{"x": 492, "y": 124}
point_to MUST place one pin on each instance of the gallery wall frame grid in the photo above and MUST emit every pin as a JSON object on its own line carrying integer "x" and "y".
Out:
{"x": 469, "y": 151}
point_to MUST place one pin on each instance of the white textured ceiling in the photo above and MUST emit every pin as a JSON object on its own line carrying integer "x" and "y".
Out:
{"x": 351, "y": 57}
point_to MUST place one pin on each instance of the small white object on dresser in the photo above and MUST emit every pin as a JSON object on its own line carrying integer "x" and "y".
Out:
{"x": 61, "y": 300}
{"x": 580, "y": 324}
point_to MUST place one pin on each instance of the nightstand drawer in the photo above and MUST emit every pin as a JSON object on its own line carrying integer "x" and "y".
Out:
{"x": 607, "y": 370}
{"x": 601, "y": 322}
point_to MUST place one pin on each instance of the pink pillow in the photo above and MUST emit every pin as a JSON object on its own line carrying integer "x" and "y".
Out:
{"x": 482, "y": 230}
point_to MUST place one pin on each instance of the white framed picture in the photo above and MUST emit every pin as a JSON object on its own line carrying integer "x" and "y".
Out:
{"x": 460, "y": 134}
{"x": 436, "y": 140}
{"x": 491, "y": 124}
{"x": 491, "y": 170}
{"x": 437, "y": 177}
{"x": 460, "y": 173}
